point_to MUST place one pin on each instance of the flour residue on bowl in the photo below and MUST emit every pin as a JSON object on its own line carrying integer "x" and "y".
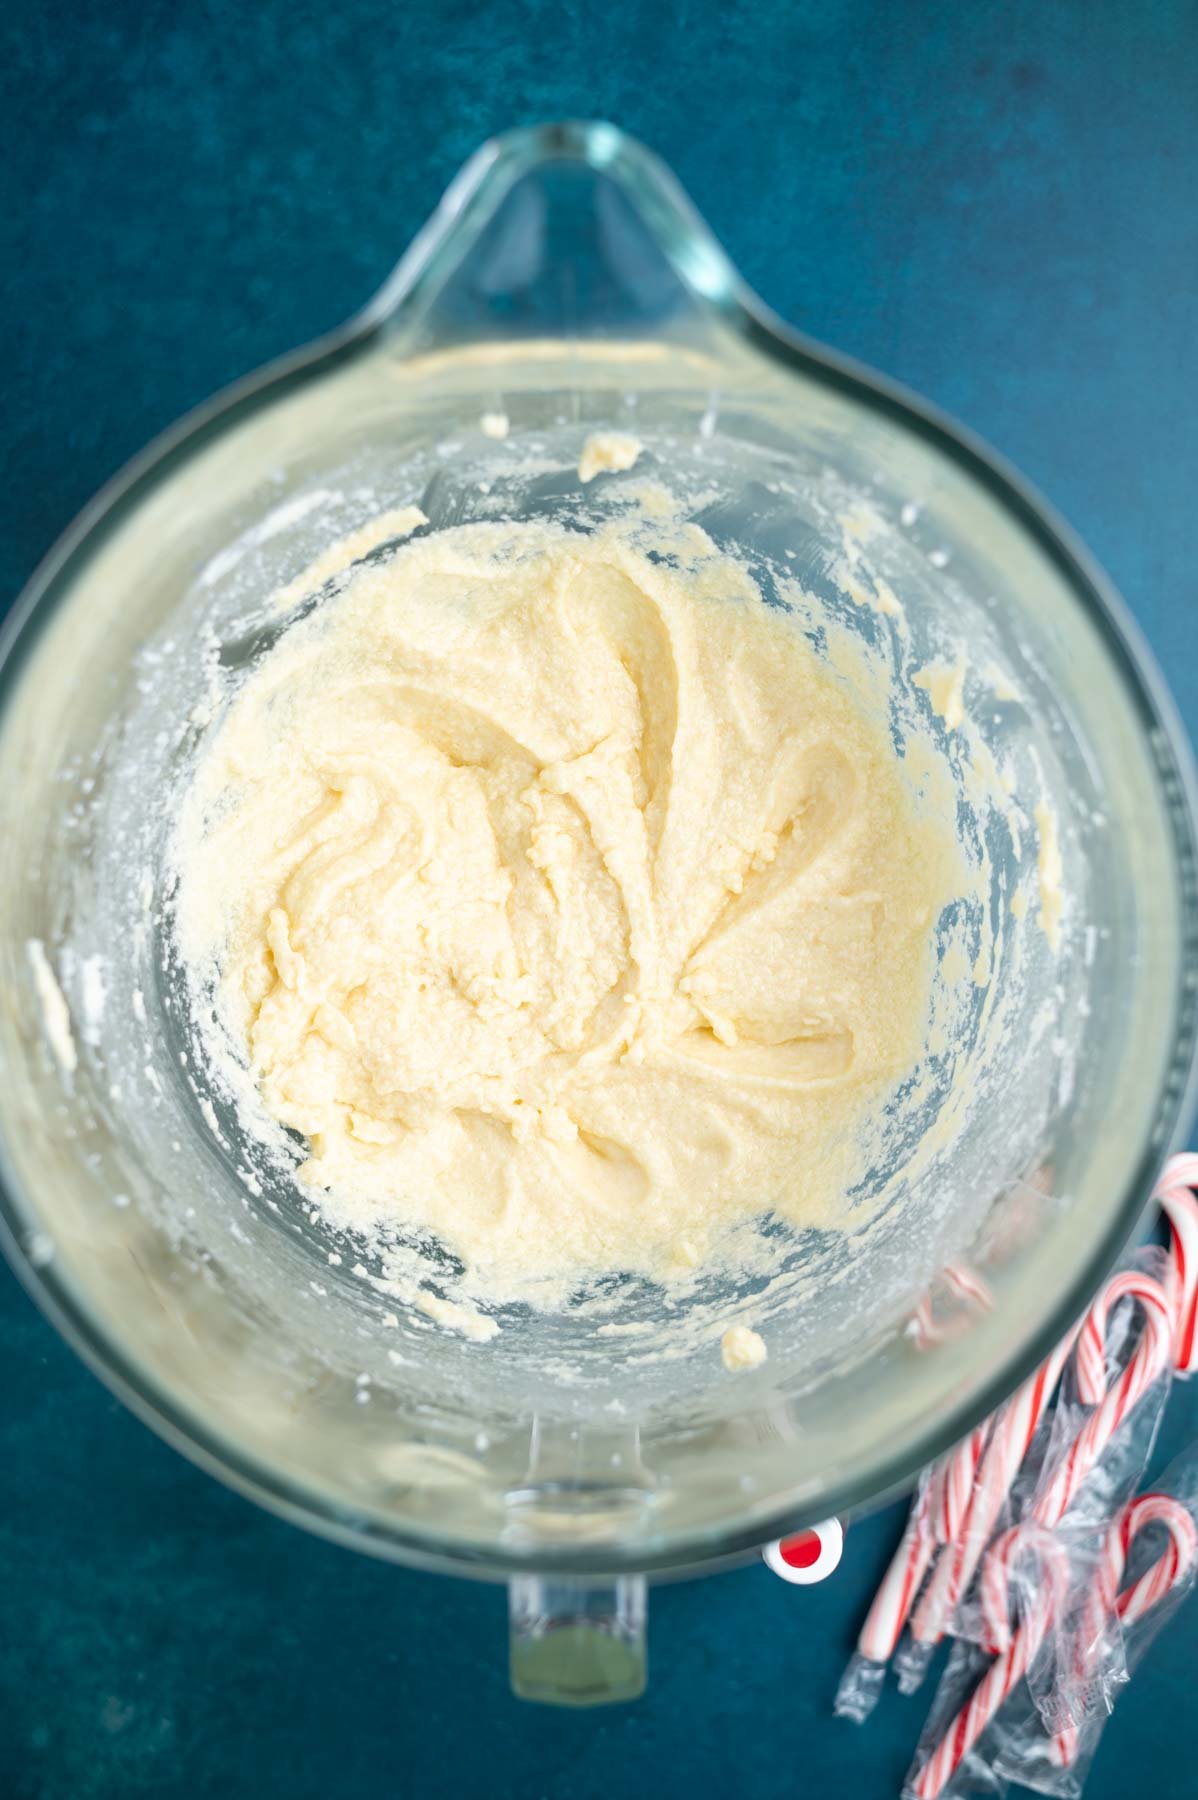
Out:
{"x": 565, "y": 902}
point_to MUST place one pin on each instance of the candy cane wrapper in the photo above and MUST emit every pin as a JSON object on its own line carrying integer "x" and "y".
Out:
{"x": 979, "y": 1771}
{"x": 1068, "y": 1512}
{"x": 1113, "y": 1480}
{"x": 916, "y": 1653}
{"x": 967, "y": 1664}
{"x": 1115, "y": 1476}
{"x": 967, "y": 1622}
{"x": 1023, "y": 1742}
{"x": 860, "y": 1686}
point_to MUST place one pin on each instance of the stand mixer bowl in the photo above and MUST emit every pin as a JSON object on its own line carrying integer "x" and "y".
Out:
{"x": 565, "y": 284}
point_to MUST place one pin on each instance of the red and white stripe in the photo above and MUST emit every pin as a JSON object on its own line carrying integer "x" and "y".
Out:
{"x": 968, "y": 1285}
{"x": 1021, "y": 1648}
{"x": 963, "y": 1282}
{"x": 1010, "y": 1439}
{"x": 963, "y": 1499}
{"x": 1171, "y": 1567}
{"x": 934, "y": 1520}
{"x": 1107, "y": 1601}
{"x": 957, "y": 1476}
{"x": 1149, "y": 1360}
{"x": 994, "y": 1586}
{"x": 893, "y": 1601}
{"x": 923, "y": 1327}
{"x": 1178, "y": 1176}
{"x": 1089, "y": 1359}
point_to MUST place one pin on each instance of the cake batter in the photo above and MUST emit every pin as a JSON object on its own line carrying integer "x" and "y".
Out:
{"x": 566, "y": 903}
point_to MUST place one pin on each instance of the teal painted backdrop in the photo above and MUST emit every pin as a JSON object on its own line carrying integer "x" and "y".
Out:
{"x": 995, "y": 204}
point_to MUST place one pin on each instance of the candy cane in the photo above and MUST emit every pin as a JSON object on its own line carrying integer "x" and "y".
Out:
{"x": 933, "y": 1513}
{"x": 958, "y": 1473}
{"x": 1021, "y": 1647}
{"x": 1148, "y": 1362}
{"x": 1179, "y": 1175}
{"x": 1168, "y": 1569}
{"x": 1010, "y": 1440}
{"x": 923, "y": 1327}
{"x": 1106, "y": 1599}
{"x": 966, "y": 1285}
{"x": 861, "y": 1683}
{"x": 888, "y": 1614}
{"x": 1180, "y": 1170}
{"x": 1090, "y": 1355}
{"x": 1016, "y": 1428}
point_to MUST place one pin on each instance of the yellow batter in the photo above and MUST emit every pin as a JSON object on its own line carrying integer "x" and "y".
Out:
{"x": 565, "y": 902}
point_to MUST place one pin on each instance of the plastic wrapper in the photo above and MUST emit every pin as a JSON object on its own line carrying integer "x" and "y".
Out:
{"x": 1033, "y": 1668}
{"x": 918, "y": 1648}
{"x": 1027, "y": 1579}
{"x": 1069, "y": 1499}
{"x": 976, "y": 1773}
{"x": 1116, "y": 1474}
{"x": 864, "y": 1676}
{"x": 914, "y": 1656}
{"x": 1051, "y": 1747}
{"x": 912, "y": 1660}
{"x": 1055, "y": 1433}
{"x": 1067, "y": 1691}
{"x": 860, "y": 1688}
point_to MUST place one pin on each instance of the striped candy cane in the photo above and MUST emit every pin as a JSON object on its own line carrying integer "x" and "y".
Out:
{"x": 1108, "y": 1598}
{"x": 861, "y": 1684}
{"x": 966, "y": 1285}
{"x": 1151, "y": 1357}
{"x": 1020, "y": 1646}
{"x": 1016, "y": 1428}
{"x": 923, "y": 1327}
{"x": 958, "y": 1473}
{"x": 1090, "y": 1354}
{"x": 1010, "y": 1440}
{"x": 1168, "y": 1569}
{"x": 888, "y": 1614}
{"x": 935, "y": 1519}
{"x": 969, "y": 1286}
{"x": 1179, "y": 1175}
{"x": 932, "y": 1520}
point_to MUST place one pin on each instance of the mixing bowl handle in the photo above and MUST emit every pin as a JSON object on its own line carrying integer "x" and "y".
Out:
{"x": 577, "y": 1640}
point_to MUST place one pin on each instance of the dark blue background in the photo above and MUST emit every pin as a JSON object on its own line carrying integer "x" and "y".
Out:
{"x": 995, "y": 204}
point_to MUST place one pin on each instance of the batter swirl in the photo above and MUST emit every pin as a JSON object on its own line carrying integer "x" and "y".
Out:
{"x": 565, "y": 901}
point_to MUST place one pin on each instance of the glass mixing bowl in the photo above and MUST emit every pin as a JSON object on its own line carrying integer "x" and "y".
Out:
{"x": 565, "y": 284}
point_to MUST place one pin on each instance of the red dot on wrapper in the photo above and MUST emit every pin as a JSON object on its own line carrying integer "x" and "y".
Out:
{"x": 802, "y": 1550}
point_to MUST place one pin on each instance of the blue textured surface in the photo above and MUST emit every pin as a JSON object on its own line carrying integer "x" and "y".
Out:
{"x": 996, "y": 205}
